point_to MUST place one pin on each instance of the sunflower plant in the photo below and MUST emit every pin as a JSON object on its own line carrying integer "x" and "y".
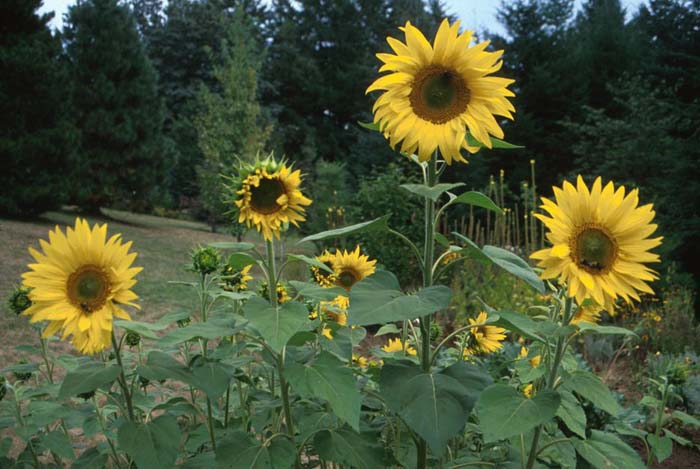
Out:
{"x": 269, "y": 371}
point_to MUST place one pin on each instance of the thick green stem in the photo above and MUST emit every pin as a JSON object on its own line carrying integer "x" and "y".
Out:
{"x": 559, "y": 351}
{"x": 271, "y": 273}
{"x": 431, "y": 177}
{"x": 122, "y": 379}
{"x": 659, "y": 423}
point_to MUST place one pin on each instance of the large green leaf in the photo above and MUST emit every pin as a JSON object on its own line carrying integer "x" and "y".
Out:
{"x": 430, "y": 192}
{"x": 434, "y": 405}
{"x": 88, "y": 377}
{"x": 239, "y": 450}
{"x": 607, "y": 451}
{"x": 327, "y": 378}
{"x": 240, "y": 260}
{"x": 276, "y": 324}
{"x": 477, "y": 199}
{"x": 160, "y": 365}
{"x": 313, "y": 291}
{"x": 144, "y": 329}
{"x": 604, "y": 330}
{"x": 309, "y": 261}
{"x": 515, "y": 265}
{"x": 519, "y": 323}
{"x": 662, "y": 446}
{"x": 90, "y": 459}
{"x": 495, "y": 143}
{"x": 41, "y": 412}
{"x": 572, "y": 414}
{"x": 346, "y": 447}
{"x": 505, "y": 412}
{"x": 378, "y": 224}
{"x": 233, "y": 246}
{"x": 212, "y": 329}
{"x": 151, "y": 445}
{"x": 379, "y": 300}
{"x": 211, "y": 377}
{"x": 590, "y": 387}
{"x": 58, "y": 443}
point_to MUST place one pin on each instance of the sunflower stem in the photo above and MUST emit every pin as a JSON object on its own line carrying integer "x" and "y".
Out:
{"x": 430, "y": 179}
{"x": 271, "y": 280}
{"x": 122, "y": 379}
{"x": 559, "y": 351}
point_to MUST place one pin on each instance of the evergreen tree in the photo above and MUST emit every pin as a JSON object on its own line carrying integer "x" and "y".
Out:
{"x": 122, "y": 155}
{"x": 36, "y": 134}
{"x": 229, "y": 125}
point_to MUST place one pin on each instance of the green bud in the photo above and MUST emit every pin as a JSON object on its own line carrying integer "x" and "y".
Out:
{"x": 205, "y": 260}
{"x": 22, "y": 375}
{"x": 184, "y": 322}
{"x": 19, "y": 301}
{"x": 132, "y": 339}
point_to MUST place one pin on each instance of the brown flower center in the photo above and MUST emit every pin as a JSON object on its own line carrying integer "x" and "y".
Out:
{"x": 594, "y": 249}
{"x": 263, "y": 198}
{"x": 439, "y": 94}
{"x": 88, "y": 288}
{"x": 347, "y": 278}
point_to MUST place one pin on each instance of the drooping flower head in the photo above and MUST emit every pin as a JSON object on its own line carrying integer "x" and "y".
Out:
{"x": 487, "y": 338}
{"x": 395, "y": 345}
{"x": 435, "y": 93}
{"x": 322, "y": 277}
{"x": 267, "y": 195}
{"x": 600, "y": 242}
{"x": 80, "y": 282}
{"x": 351, "y": 266}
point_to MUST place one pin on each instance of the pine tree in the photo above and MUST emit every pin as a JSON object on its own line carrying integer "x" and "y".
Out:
{"x": 36, "y": 134}
{"x": 122, "y": 156}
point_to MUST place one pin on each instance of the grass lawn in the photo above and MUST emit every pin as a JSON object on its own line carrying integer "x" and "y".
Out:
{"x": 163, "y": 245}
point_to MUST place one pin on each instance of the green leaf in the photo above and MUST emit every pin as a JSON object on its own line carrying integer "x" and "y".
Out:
{"x": 505, "y": 412}
{"x": 387, "y": 329}
{"x": 434, "y": 405}
{"x": 309, "y": 261}
{"x": 495, "y": 143}
{"x": 661, "y": 446}
{"x": 348, "y": 448}
{"x": 515, "y": 265}
{"x": 327, "y": 378}
{"x": 678, "y": 439}
{"x": 521, "y": 324}
{"x": 430, "y": 192}
{"x": 378, "y": 224}
{"x": 160, "y": 365}
{"x": 59, "y": 443}
{"x": 379, "y": 300}
{"x": 607, "y": 451}
{"x": 477, "y": 199}
{"x": 590, "y": 387}
{"x": 276, "y": 325}
{"x": 88, "y": 377}
{"x": 42, "y": 413}
{"x": 572, "y": 414}
{"x": 369, "y": 125}
{"x": 239, "y": 450}
{"x": 144, "y": 329}
{"x": 232, "y": 246}
{"x": 240, "y": 260}
{"x": 151, "y": 445}
{"x": 442, "y": 240}
{"x": 604, "y": 330}
{"x": 212, "y": 329}
{"x": 211, "y": 377}
{"x": 90, "y": 459}
{"x": 316, "y": 292}
{"x": 685, "y": 418}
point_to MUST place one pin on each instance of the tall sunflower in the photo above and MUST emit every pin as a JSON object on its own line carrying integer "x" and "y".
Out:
{"x": 323, "y": 278}
{"x": 79, "y": 283}
{"x": 351, "y": 267}
{"x": 600, "y": 242}
{"x": 434, "y": 94}
{"x": 267, "y": 195}
{"x": 487, "y": 338}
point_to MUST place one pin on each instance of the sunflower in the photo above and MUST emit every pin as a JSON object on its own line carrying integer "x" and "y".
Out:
{"x": 434, "y": 94}
{"x": 351, "y": 267}
{"x": 267, "y": 195}
{"x": 79, "y": 283}
{"x": 587, "y": 313}
{"x": 529, "y": 390}
{"x": 487, "y": 338}
{"x": 395, "y": 345}
{"x": 600, "y": 242}
{"x": 323, "y": 278}
{"x": 233, "y": 280}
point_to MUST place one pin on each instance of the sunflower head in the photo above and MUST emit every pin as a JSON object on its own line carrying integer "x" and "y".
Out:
{"x": 351, "y": 267}
{"x": 434, "y": 94}
{"x": 395, "y": 345}
{"x": 19, "y": 301}
{"x": 322, "y": 277}
{"x": 600, "y": 242}
{"x": 486, "y": 338}
{"x": 267, "y": 195}
{"x": 587, "y": 312}
{"x": 235, "y": 280}
{"x": 282, "y": 294}
{"x": 80, "y": 282}
{"x": 205, "y": 260}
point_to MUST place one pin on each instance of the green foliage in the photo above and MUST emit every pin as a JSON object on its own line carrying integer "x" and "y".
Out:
{"x": 122, "y": 159}
{"x": 37, "y": 133}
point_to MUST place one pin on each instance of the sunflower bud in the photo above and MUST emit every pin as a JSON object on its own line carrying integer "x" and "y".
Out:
{"x": 132, "y": 339}
{"x": 184, "y": 322}
{"x": 205, "y": 260}
{"x": 19, "y": 301}
{"x": 22, "y": 375}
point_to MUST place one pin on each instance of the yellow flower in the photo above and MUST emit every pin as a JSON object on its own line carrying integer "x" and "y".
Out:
{"x": 336, "y": 310}
{"x": 395, "y": 345}
{"x": 235, "y": 281}
{"x": 435, "y": 93}
{"x": 468, "y": 353}
{"x": 351, "y": 267}
{"x": 327, "y": 333}
{"x": 360, "y": 361}
{"x": 79, "y": 283}
{"x": 600, "y": 242}
{"x": 487, "y": 338}
{"x": 589, "y": 312}
{"x": 535, "y": 361}
{"x": 451, "y": 256}
{"x": 268, "y": 195}
{"x": 323, "y": 278}
{"x": 529, "y": 390}
{"x": 523, "y": 353}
